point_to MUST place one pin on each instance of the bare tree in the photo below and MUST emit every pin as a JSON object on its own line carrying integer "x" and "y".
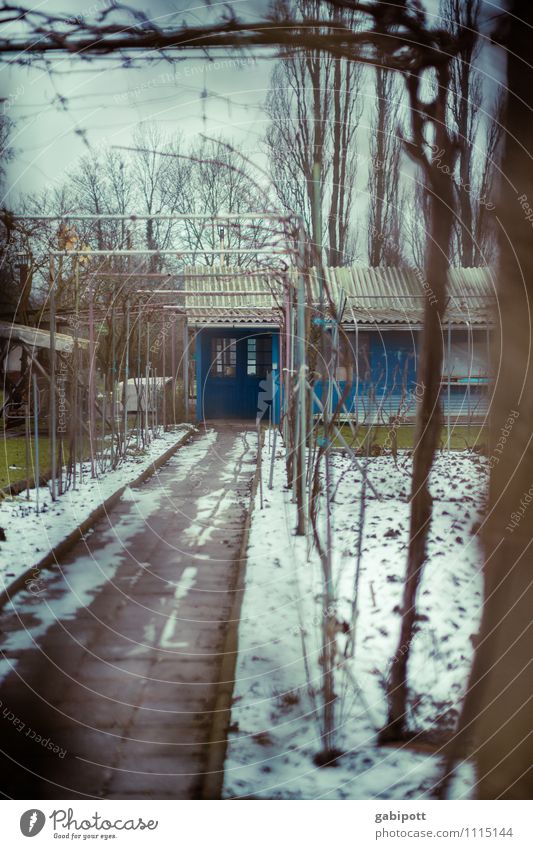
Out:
{"x": 478, "y": 136}
{"x": 384, "y": 240}
{"x": 314, "y": 112}
{"x": 426, "y": 119}
{"x": 495, "y": 726}
{"x": 160, "y": 182}
{"x": 416, "y": 225}
{"x": 220, "y": 182}
{"x": 6, "y": 151}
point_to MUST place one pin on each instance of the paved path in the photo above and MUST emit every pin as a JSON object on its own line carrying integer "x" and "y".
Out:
{"x": 116, "y": 662}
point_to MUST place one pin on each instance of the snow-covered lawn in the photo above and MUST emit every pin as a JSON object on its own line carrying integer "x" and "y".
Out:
{"x": 29, "y": 536}
{"x": 274, "y": 732}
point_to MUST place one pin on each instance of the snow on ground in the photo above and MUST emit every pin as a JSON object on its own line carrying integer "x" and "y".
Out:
{"x": 29, "y": 536}
{"x": 36, "y": 611}
{"x": 274, "y": 729}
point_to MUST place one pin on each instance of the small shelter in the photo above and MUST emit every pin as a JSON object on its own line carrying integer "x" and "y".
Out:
{"x": 240, "y": 320}
{"x": 21, "y": 347}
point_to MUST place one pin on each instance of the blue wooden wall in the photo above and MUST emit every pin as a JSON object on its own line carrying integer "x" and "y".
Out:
{"x": 386, "y": 384}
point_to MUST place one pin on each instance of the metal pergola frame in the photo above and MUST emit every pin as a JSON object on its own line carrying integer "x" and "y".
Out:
{"x": 296, "y": 352}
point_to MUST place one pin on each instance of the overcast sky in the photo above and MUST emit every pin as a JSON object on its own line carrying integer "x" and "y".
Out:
{"x": 103, "y": 102}
{"x": 59, "y": 114}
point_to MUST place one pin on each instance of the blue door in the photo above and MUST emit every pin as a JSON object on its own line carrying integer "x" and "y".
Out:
{"x": 235, "y": 373}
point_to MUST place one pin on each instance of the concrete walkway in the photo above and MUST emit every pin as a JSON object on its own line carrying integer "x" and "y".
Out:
{"x": 116, "y": 662}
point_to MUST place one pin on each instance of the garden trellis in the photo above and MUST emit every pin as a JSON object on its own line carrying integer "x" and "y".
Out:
{"x": 92, "y": 314}
{"x": 110, "y": 435}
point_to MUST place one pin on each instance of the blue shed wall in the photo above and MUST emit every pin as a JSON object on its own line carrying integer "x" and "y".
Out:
{"x": 386, "y": 384}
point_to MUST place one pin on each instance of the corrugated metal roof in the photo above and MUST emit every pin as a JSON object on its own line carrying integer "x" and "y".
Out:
{"x": 37, "y": 338}
{"x": 373, "y": 295}
{"x": 239, "y": 301}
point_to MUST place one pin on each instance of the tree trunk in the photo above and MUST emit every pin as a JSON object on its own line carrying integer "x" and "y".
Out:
{"x": 428, "y": 423}
{"x": 495, "y": 724}
{"x": 334, "y": 217}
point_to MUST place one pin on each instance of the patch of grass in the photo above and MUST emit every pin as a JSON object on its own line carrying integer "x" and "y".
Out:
{"x": 13, "y": 458}
{"x": 462, "y": 437}
{"x": 13, "y": 454}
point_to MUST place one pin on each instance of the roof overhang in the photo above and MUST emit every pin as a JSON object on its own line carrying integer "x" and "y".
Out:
{"x": 34, "y": 337}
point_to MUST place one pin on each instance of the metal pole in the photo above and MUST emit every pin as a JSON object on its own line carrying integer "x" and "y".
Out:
{"x": 301, "y": 397}
{"x": 104, "y": 405}
{"x": 113, "y": 376}
{"x": 173, "y": 252}
{"x": 231, "y": 216}
{"x": 27, "y": 434}
{"x": 470, "y": 349}
{"x": 36, "y": 432}
{"x": 260, "y": 462}
{"x": 156, "y": 401}
{"x": 287, "y": 377}
{"x": 173, "y": 367}
{"x": 272, "y": 460}
{"x": 296, "y": 445}
{"x": 74, "y": 422}
{"x": 487, "y": 393}
{"x": 80, "y": 432}
{"x": 356, "y": 373}
{"x": 139, "y": 417}
{"x": 164, "y": 376}
{"x": 52, "y": 420}
{"x": 75, "y": 412}
{"x": 126, "y": 375}
{"x": 92, "y": 393}
{"x": 147, "y": 384}
{"x": 186, "y": 367}
{"x": 449, "y": 383}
